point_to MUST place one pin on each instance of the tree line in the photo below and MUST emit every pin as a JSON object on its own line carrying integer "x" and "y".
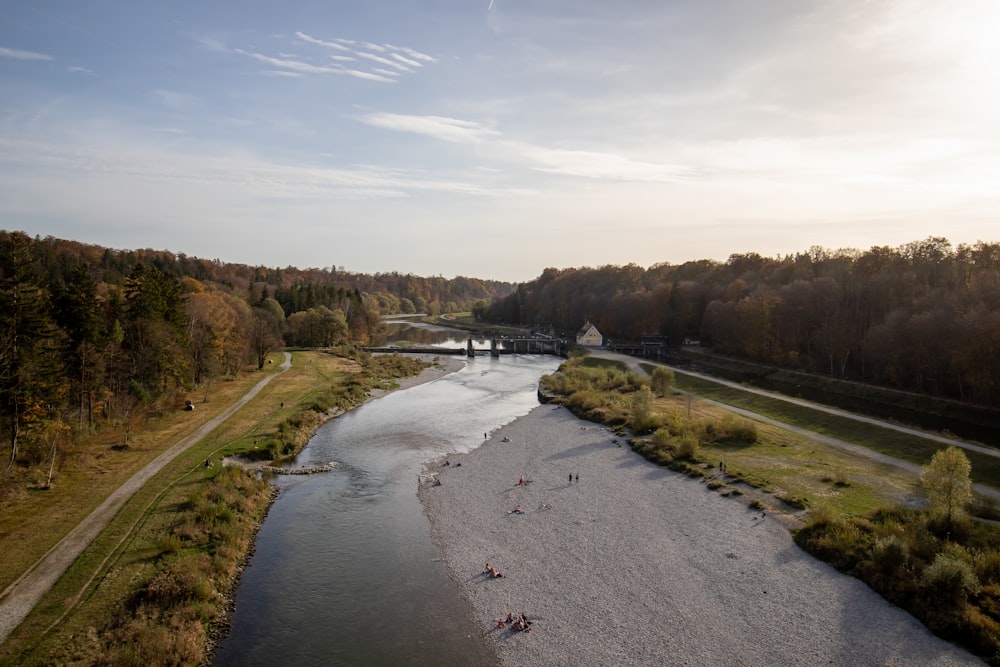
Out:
{"x": 921, "y": 317}
{"x": 92, "y": 337}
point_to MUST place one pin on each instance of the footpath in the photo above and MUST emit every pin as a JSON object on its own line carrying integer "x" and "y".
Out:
{"x": 18, "y": 599}
{"x": 634, "y": 364}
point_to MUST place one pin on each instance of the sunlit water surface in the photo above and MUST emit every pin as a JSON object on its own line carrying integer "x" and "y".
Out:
{"x": 345, "y": 572}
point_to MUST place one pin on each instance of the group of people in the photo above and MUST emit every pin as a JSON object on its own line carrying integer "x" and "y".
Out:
{"x": 519, "y": 624}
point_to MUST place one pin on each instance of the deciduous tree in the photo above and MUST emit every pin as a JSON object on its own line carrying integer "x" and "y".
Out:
{"x": 948, "y": 484}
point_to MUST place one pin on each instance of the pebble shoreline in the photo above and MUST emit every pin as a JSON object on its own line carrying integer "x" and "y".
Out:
{"x": 637, "y": 565}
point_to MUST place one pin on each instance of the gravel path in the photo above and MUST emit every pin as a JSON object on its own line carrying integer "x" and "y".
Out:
{"x": 637, "y": 565}
{"x": 18, "y": 599}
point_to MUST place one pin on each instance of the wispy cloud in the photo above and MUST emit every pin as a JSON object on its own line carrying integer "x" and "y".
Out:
{"x": 416, "y": 54}
{"x": 299, "y": 67}
{"x": 407, "y": 61}
{"x": 579, "y": 163}
{"x": 438, "y": 127}
{"x": 312, "y": 40}
{"x": 383, "y": 61}
{"x": 399, "y": 58}
{"x": 76, "y": 69}
{"x": 604, "y": 166}
{"x": 114, "y": 162}
{"x": 17, "y": 54}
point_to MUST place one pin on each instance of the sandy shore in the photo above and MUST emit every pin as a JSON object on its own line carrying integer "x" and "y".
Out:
{"x": 637, "y": 565}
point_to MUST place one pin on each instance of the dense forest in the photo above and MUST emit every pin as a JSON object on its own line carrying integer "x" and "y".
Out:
{"x": 92, "y": 337}
{"x": 923, "y": 317}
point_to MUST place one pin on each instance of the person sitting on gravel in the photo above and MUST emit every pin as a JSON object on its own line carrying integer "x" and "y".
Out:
{"x": 495, "y": 573}
{"x": 516, "y": 510}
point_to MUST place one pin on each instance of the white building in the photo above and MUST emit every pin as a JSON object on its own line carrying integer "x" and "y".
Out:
{"x": 589, "y": 336}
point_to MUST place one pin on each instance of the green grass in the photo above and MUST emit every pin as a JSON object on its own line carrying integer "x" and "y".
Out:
{"x": 159, "y": 526}
{"x": 598, "y": 362}
{"x": 903, "y": 446}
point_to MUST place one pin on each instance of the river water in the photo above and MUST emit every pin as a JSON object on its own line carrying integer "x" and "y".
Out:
{"x": 345, "y": 572}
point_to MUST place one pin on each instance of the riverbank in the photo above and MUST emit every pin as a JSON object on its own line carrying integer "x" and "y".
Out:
{"x": 438, "y": 368}
{"x": 440, "y": 365}
{"x": 634, "y": 564}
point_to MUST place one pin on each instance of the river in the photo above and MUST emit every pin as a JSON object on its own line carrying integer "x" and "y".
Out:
{"x": 344, "y": 571}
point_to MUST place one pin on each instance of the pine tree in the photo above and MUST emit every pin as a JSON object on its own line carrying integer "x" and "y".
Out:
{"x": 31, "y": 389}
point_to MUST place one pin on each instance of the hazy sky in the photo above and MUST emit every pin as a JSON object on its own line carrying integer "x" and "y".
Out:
{"x": 495, "y": 138}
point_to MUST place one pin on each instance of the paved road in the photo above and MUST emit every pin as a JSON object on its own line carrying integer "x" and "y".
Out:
{"x": 18, "y": 599}
{"x": 634, "y": 364}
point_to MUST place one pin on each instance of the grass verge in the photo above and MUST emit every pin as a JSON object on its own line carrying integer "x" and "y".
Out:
{"x": 153, "y": 587}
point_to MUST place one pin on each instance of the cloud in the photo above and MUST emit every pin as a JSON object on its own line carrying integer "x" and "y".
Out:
{"x": 384, "y": 61}
{"x": 581, "y": 163}
{"x": 416, "y": 54}
{"x": 301, "y": 67}
{"x": 80, "y": 70}
{"x": 438, "y": 127}
{"x": 395, "y": 60}
{"x": 23, "y": 55}
{"x": 113, "y": 162}
{"x": 312, "y": 40}
{"x": 598, "y": 165}
{"x": 407, "y": 61}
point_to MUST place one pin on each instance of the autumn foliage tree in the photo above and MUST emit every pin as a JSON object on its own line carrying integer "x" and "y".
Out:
{"x": 948, "y": 483}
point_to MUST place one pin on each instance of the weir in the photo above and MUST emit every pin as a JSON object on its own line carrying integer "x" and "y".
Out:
{"x": 498, "y": 345}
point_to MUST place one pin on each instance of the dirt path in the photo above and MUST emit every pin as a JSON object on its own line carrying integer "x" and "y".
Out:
{"x": 18, "y": 599}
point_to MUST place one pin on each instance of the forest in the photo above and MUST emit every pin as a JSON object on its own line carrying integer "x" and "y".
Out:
{"x": 922, "y": 317}
{"x": 93, "y": 338}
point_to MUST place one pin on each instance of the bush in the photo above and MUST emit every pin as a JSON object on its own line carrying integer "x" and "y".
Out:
{"x": 170, "y": 544}
{"x": 950, "y": 580}
{"x": 889, "y": 554}
{"x": 686, "y": 446}
{"x": 988, "y": 567}
{"x": 737, "y": 431}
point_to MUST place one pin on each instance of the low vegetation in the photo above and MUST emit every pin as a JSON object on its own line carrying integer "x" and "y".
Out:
{"x": 154, "y": 588}
{"x": 933, "y": 560}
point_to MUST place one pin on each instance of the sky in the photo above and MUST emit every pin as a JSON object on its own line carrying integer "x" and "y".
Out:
{"x": 496, "y": 138}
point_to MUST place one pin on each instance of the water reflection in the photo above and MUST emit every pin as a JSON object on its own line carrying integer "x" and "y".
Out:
{"x": 345, "y": 571}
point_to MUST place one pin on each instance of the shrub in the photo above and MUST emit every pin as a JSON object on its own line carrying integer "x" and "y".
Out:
{"x": 662, "y": 380}
{"x": 737, "y": 431}
{"x": 170, "y": 544}
{"x": 889, "y": 554}
{"x": 686, "y": 446}
{"x": 987, "y": 566}
{"x": 823, "y": 515}
{"x": 950, "y": 580}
